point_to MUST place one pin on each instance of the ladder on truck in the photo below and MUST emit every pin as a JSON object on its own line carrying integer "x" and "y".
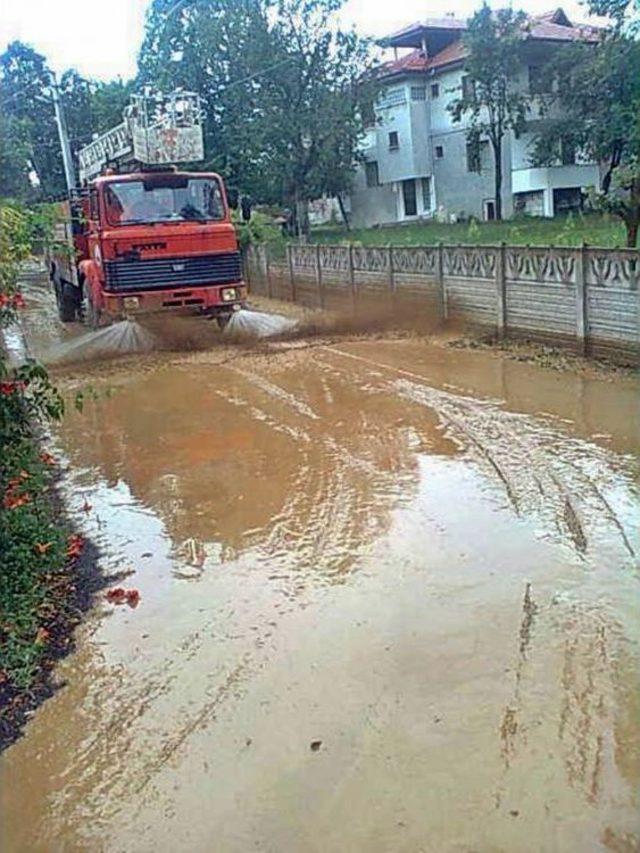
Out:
{"x": 157, "y": 129}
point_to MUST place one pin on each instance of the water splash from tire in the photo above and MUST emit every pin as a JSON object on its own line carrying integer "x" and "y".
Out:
{"x": 124, "y": 338}
{"x": 258, "y": 324}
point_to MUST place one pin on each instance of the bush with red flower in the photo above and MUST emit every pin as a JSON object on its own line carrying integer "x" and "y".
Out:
{"x": 34, "y": 576}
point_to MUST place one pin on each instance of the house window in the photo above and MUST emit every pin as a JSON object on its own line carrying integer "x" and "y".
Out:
{"x": 435, "y": 90}
{"x": 409, "y": 198}
{"x": 393, "y": 97}
{"x": 426, "y": 194}
{"x": 473, "y": 157}
{"x": 536, "y": 80}
{"x": 478, "y": 157}
{"x": 468, "y": 88}
{"x": 394, "y": 144}
{"x": 439, "y": 152}
{"x": 371, "y": 173}
{"x": 567, "y": 152}
{"x": 418, "y": 93}
{"x": 567, "y": 199}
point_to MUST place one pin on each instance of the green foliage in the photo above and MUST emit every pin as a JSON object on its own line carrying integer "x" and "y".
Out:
{"x": 594, "y": 106}
{"x": 33, "y": 546}
{"x": 625, "y": 14}
{"x": 284, "y": 89}
{"x": 492, "y": 101}
{"x": 15, "y": 156}
{"x": 26, "y": 103}
{"x": 33, "y": 553}
{"x": 28, "y": 136}
{"x": 258, "y": 230}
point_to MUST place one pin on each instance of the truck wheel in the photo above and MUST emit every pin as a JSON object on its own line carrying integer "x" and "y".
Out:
{"x": 67, "y": 299}
{"x": 223, "y": 321}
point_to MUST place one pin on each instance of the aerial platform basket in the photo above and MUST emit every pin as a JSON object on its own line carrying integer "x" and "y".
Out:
{"x": 157, "y": 129}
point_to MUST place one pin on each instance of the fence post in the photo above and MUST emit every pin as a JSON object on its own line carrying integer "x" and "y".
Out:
{"x": 442, "y": 292}
{"x": 581, "y": 301}
{"x": 392, "y": 278}
{"x": 352, "y": 280}
{"x": 319, "y": 276}
{"x": 292, "y": 281}
{"x": 501, "y": 291}
{"x": 265, "y": 257}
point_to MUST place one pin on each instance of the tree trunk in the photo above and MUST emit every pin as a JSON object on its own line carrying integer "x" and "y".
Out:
{"x": 613, "y": 164}
{"x": 343, "y": 212}
{"x": 632, "y": 224}
{"x": 302, "y": 217}
{"x": 497, "y": 156}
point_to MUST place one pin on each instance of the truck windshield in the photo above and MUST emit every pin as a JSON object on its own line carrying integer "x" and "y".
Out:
{"x": 167, "y": 198}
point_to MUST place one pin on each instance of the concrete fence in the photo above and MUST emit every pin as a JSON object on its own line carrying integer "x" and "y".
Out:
{"x": 585, "y": 298}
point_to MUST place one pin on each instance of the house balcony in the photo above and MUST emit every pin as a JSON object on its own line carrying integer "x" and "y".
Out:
{"x": 553, "y": 185}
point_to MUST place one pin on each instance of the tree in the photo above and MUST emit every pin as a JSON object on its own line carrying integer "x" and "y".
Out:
{"x": 222, "y": 51}
{"x": 28, "y": 135}
{"x": 281, "y": 86}
{"x": 624, "y": 14}
{"x": 490, "y": 97}
{"x": 15, "y": 157}
{"x": 594, "y": 105}
{"x": 26, "y": 102}
{"x": 320, "y": 96}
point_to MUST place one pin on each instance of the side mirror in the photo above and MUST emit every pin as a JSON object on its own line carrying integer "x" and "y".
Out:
{"x": 245, "y": 205}
{"x": 232, "y": 198}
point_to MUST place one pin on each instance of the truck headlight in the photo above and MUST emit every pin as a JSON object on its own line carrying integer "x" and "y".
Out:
{"x": 229, "y": 294}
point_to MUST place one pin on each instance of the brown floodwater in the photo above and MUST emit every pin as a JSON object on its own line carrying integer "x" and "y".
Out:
{"x": 422, "y": 560}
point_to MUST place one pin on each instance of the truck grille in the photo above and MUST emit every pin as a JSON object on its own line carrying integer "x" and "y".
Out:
{"x": 156, "y": 273}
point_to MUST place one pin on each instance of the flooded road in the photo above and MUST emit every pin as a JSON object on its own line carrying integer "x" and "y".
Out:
{"x": 389, "y": 601}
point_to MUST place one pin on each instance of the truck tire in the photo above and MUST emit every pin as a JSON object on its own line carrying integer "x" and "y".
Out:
{"x": 223, "y": 321}
{"x": 67, "y": 299}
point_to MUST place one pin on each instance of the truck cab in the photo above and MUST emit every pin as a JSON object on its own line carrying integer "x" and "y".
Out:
{"x": 153, "y": 241}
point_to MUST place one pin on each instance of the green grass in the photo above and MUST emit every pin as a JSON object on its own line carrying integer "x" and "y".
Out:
{"x": 570, "y": 230}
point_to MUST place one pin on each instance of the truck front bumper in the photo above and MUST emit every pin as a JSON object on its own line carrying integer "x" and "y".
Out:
{"x": 222, "y": 299}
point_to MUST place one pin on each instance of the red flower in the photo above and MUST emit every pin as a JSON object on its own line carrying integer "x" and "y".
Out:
{"x": 11, "y": 387}
{"x": 47, "y": 458}
{"x": 4, "y": 300}
{"x": 11, "y": 501}
{"x": 17, "y": 300}
{"x": 42, "y": 636}
{"x": 75, "y": 545}
{"x": 133, "y": 597}
{"x": 118, "y": 595}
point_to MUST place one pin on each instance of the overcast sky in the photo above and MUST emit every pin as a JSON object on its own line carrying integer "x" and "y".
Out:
{"x": 101, "y": 39}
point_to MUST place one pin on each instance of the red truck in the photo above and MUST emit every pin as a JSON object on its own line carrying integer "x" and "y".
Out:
{"x": 152, "y": 240}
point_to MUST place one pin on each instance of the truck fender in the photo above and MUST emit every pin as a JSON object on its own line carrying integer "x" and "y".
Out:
{"x": 92, "y": 283}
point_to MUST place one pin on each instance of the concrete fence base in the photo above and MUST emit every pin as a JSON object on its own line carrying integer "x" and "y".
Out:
{"x": 586, "y": 299}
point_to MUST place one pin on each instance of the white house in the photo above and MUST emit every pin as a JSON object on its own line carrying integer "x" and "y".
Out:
{"x": 416, "y": 160}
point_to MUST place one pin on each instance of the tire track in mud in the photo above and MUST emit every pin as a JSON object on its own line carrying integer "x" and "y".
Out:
{"x": 580, "y": 728}
{"x": 338, "y": 501}
{"x": 557, "y": 480}
{"x": 328, "y": 518}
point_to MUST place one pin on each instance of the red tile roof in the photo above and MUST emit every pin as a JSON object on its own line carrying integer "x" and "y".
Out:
{"x": 540, "y": 28}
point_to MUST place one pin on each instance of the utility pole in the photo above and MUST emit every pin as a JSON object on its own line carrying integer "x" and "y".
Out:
{"x": 63, "y": 135}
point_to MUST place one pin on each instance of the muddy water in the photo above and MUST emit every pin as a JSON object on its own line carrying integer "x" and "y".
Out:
{"x": 423, "y": 561}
